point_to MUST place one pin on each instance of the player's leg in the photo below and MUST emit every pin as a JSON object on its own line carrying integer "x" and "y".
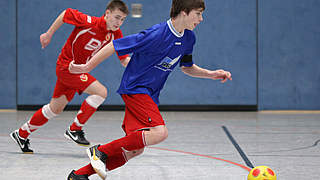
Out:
{"x": 156, "y": 135}
{"x": 142, "y": 115}
{"x": 143, "y": 125}
{"x": 151, "y": 139}
{"x": 116, "y": 153}
{"x": 112, "y": 163}
{"x": 38, "y": 119}
{"x": 100, "y": 154}
{"x": 97, "y": 94}
{"x": 152, "y": 136}
{"x": 136, "y": 140}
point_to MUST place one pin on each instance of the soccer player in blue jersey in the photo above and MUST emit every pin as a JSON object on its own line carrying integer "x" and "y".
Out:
{"x": 155, "y": 53}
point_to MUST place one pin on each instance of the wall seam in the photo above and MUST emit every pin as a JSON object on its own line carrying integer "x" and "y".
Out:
{"x": 16, "y": 53}
{"x": 257, "y": 53}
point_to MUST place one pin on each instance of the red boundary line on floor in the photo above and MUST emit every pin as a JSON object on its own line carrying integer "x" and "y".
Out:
{"x": 202, "y": 155}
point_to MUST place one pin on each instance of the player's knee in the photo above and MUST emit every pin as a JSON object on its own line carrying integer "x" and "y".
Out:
{"x": 95, "y": 100}
{"x": 164, "y": 134}
{"x": 56, "y": 108}
{"x": 161, "y": 134}
{"x": 57, "y": 105}
{"x": 48, "y": 112}
{"x": 156, "y": 135}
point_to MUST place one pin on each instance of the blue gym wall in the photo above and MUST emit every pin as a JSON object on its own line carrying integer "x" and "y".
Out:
{"x": 8, "y": 54}
{"x": 289, "y": 51}
{"x": 287, "y": 76}
{"x": 219, "y": 46}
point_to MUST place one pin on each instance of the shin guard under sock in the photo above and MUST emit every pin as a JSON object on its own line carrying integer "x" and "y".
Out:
{"x": 88, "y": 107}
{"x": 85, "y": 112}
{"x": 115, "y": 161}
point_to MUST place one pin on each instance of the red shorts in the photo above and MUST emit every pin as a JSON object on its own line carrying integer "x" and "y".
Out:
{"x": 141, "y": 113}
{"x": 68, "y": 84}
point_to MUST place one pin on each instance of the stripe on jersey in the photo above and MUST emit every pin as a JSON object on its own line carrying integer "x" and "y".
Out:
{"x": 89, "y": 19}
{"x": 75, "y": 39}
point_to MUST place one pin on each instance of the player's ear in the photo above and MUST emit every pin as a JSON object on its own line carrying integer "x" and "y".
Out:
{"x": 107, "y": 12}
{"x": 184, "y": 13}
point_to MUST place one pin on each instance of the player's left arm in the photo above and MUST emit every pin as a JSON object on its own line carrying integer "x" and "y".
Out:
{"x": 196, "y": 71}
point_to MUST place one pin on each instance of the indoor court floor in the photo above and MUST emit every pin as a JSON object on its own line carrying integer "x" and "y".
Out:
{"x": 200, "y": 146}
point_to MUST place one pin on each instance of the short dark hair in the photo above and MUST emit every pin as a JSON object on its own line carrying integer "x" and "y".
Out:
{"x": 186, "y": 6}
{"x": 118, "y": 4}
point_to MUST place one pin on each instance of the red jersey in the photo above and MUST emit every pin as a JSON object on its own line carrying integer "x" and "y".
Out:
{"x": 88, "y": 37}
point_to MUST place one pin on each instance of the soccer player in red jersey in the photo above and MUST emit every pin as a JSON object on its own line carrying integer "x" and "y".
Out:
{"x": 88, "y": 37}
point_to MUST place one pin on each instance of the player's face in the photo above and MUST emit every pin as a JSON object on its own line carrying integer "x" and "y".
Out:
{"x": 193, "y": 18}
{"x": 114, "y": 19}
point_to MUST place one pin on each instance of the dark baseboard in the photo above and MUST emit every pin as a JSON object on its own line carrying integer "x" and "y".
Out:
{"x": 161, "y": 107}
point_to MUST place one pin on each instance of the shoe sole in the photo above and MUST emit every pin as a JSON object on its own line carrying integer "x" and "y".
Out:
{"x": 14, "y": 139}
{"x": 97, "y": 166}
{"x": 68, "y": 137}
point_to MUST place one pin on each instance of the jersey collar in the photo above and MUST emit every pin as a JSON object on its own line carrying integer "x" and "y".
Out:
{"x": 173, "y": 30}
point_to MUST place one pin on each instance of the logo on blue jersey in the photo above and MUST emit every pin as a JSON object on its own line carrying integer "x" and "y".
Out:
{"x": 167, "y": 63}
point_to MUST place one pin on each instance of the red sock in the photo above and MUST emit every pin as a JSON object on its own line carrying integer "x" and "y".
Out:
{"x": 131, "y": 142}
{"x": 115, "y": 161}
{"x": 83, "y": 115}
{"x": 85, "y": 170}
{"x": 37, "y": 120}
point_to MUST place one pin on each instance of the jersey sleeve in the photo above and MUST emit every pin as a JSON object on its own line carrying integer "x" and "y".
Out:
{"x": 141, "y": 42}
{"x": 74, "y": 17}
{"x": 187, "y": 58}
{"x": 117, "y": 35}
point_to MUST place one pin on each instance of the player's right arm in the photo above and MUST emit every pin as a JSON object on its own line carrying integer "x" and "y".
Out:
{"x": 45, "y": 38}
{"x": 69, "y": 16}
{"x": 103, "y": 54}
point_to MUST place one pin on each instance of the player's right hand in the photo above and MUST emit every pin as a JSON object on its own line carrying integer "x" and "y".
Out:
{"x": 78, "y": 68}
{"x": 221, "y": 75}
{"x": 45, "y": 39}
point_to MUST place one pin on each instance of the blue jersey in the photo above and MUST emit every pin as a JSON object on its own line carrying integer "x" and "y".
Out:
{"x": 156, "y": 52}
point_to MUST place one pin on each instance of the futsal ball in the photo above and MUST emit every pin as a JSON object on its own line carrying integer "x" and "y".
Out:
{"x": 262, "y": 173}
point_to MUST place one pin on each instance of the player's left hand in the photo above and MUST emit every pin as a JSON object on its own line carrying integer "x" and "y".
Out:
{"x": 221, "y": 75}
{"x": 77, "y": 68}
